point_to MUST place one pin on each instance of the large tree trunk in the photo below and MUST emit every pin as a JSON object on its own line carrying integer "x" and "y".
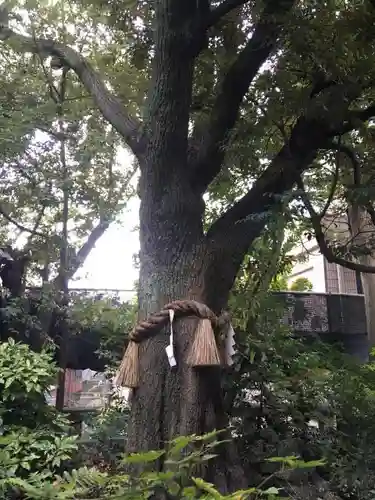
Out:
{"x": 175, "y": 260}
{"x": 362, "y": 230}
{"x": 368, "y": 282}
{"x": 179, "y": 261}
{"x": 176, "y": 396}
{"x": 175, "y": 255}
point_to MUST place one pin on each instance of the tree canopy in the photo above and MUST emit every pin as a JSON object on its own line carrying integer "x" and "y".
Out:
{"x": 267, "y": 77}
{"x": 55, "y": 143}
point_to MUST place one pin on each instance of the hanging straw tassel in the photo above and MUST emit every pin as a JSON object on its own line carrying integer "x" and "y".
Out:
{"x": 204, "y": 351}
{"x": 128, "y": 373}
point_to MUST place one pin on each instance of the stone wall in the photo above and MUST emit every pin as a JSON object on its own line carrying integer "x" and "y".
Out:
{"x": 334, "y": 318}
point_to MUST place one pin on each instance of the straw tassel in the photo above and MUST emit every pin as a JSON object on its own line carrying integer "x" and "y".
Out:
{"x": 128, "y": 373}
{"x": 204, "y": 351}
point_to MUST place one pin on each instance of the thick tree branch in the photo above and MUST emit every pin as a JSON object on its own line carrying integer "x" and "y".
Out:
{"x": 334, "y": 180}
{"x": 230, "y": 237}
{"x": 312, "y": 132}
{"x": 20, "y": 226}
{"x": 176, "y": 48}
{"x": 295, "y": 156}
{"x": 355, "y": 117}
{"x": 234, "y": 87}
{"x": 324, "y": 247}
{"x": 222, "y": 10}
{"x": 109, "y": 105}
{"x": 87, "y": 247}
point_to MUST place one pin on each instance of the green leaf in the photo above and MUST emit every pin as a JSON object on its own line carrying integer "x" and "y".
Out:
{"x": 138, "y": 458}
{"x": 189, "y": 492}
{"x": 207, "y": 487}
{"x": 271, "y": 491}
{"x": 179, "y": 444}
{"x": 282, "y": 459}
{"x": 209, "y": 436}
{"x": 242, "y": 494}
{"x": 208, "y": 456}
{"x": 300, "y": 464}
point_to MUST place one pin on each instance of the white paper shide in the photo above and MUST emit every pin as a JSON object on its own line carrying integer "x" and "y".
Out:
{"x": 230, "y": 345}
{"x": 169, "y": 349}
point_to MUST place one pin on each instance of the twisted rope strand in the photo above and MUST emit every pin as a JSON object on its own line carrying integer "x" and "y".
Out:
{"x": 181, "y": 308}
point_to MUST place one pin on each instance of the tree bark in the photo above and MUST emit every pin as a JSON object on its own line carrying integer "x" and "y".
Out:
{"x": 359, "y": 224}
{"x": 178, "y": 401}
{"x": 368, "y": 283}
{"x": 173, "y": 254}
{"x": 175, "y": 257}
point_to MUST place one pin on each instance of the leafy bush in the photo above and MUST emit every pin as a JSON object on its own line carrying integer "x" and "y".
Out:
{"x": 293, "y": 396}
{"x": 108, "y": 430}
{"x": 178, "y": 480}
{"x": 34, "y": 436}
{"x": 35, "y": 445}
{"x": 108, "y": 318}
{"x": 301, "y": 285}
{"x": 24, "y": 378}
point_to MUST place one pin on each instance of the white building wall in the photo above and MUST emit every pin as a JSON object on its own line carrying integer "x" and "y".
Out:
{"x": 325, "y": 277}
{"x": 312, "y": 268}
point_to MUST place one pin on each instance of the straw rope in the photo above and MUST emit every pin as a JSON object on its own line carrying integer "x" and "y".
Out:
{"x": 203, "y": 352}
{"x": 181, "y": 308}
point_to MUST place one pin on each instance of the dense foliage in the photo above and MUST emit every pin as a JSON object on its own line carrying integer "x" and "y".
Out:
{"x": 289, "y": 402}
{"x": 305, "y": 399}
{"x": 58, "y": 143}
{"x": 61, "y": 164}
{"x": 35, "y": 440}
{"x": 178, "y": 481}
{"x": 35, "y": 446}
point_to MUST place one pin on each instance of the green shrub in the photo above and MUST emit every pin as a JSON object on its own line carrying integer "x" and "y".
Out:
{"x": 301, "y": 285}
{"x": 178, "y": 480}
{"x": 108, "y": 431}
{"x": 277, "y": 388}
{"x": 34, "y": 436}
{"x": 289, "y": 396}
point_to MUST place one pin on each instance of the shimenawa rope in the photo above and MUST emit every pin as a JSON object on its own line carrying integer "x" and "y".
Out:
{"x": 204, "y": 350}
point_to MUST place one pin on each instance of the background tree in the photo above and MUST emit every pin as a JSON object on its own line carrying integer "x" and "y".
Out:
{"x": 53, "y": 135}
{"x": 63, "y": 182}
{"x": 287, "y": 78}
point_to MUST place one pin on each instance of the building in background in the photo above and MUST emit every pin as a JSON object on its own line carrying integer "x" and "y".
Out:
{"x": 326, "y": 277}
{"x": 84, "y": 390}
